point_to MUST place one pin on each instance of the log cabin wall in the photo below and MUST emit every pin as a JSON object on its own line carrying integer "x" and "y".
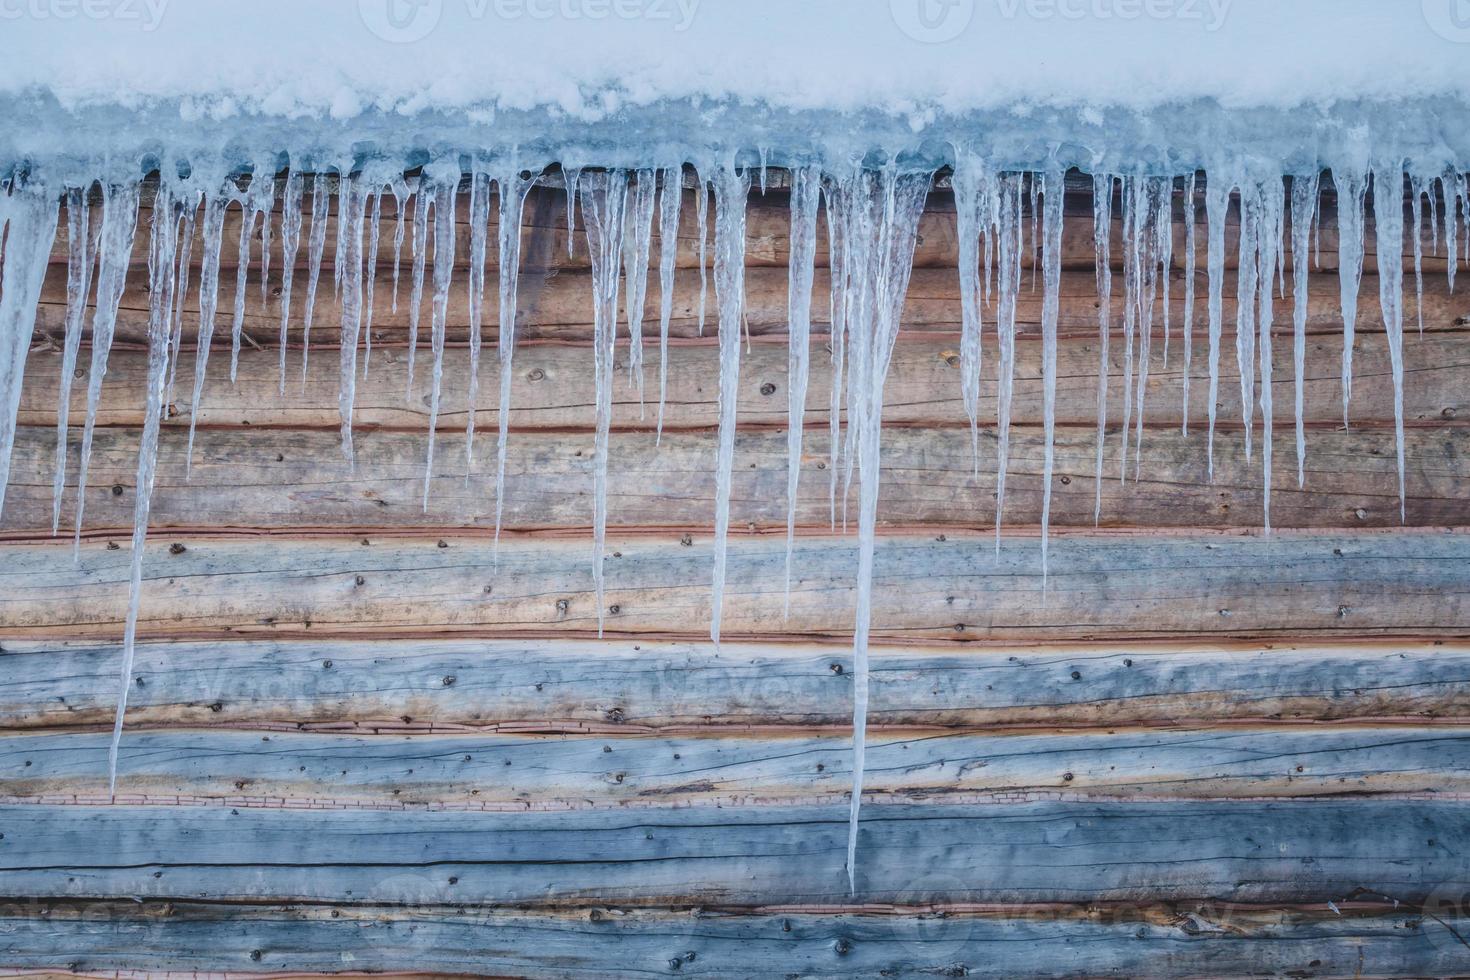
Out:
{"x": 361, "y": 739}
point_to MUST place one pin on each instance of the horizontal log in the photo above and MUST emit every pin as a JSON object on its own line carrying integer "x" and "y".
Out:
{"x": 552, "y": 386}
{"x": 1278, "y": 851}
{"x": 295, "y": 478}
{"x": 955, "y": 586}
{"x": 620, "y": 686}
{"x": 555, "y": 772}
{"x": 558, "y": 306}
{"x": 1150, "y": 940}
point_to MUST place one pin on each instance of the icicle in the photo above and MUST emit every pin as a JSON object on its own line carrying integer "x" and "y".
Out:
{"x": 479, "y": 234}
{"x": 160, "y": 307}
{"x": 1248, "y": 275}
{"x": 1271, "y": 220}
{"x": 1388, "y": 219}
{"x": 1032, "y": 184}
{"x": 31, "y": 213}
{"x": 352, "y": 195}
{"x": 1453, "y": 188}
{"x": 764, "y": 153}
{"x": 1102, "y": 226}
{"x": 1416, "y": 192}
{"x": 569, "y": 178}
{"x": 445, "y": 187}
{"x": 420, "y": 255}
{"x": 880, "y": 232}
{"x": 1217, "y": 205}
{"x": 1010, "y": 234}
{"x": 512, "y": 190}
{"x": 1304, "y": 193}
{"x": 701, "y": 224}
{"x": 1351, "y": 186}
{"x": 731, "y": 190}
{"x": 1132, "y": 246}
{"x": 1154, "y": 230}
{"x": 316, "y": 246}
{"x": 119, "y": 223}
{"x": 670, "y": 198}
{"x": 1164, "y": 237}
{"x": 604, "y": 198}
{"x": 402, "y": 193}
{"x": 191, "y": 200}
{"x": 290, "y": 245}
{"x": 972, "y": 189}
{"x": 374, "y": 230}
{"x": 1053, "y": 191}
{"x": 1187, "y": 328}
{"x": 256, "y": 202}
{"x": 837, "y": 334}
{"x": 218, "y": 193}
{"x": 80, "y": 260}
{"x": 636, "y": 247}
{"x": 806, "y": 186}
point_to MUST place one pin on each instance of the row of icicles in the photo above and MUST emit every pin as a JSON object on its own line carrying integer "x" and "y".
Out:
{"x": 871, "y": 227}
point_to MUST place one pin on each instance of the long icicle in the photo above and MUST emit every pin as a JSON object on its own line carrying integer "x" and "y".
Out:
{"x": 218, "y": 194}
{"x": 444, "y": 184}
{"x": 161, "y": 275}
{"x": 290, "y": 246}
{"x": 1187, "y": 327}
{"x": 1102, "y": 226}
{"x": 880, "y": 232}
{"x": 1351, "y": 186}
{"x": 257, "y": 201}
{"x": 1303, "y": 208}
{"x": 806, "y": 187}
{"x": 1248, "y": 276}
{"x": 604, "y": 198}
{"x": 80, "y": 260}
{"x": 511, "y": 189}
{"x": 671, "y": 195}
{"x": 352, "y": 197}
{"x": 420, "y": 248}
{"x": 731, "y": 190}
{"x": 972, "y": 189}
{"x": 837, "y": 335}
{"x": 1272, "y": 211}
{"x": 31, "y": 214}
{"x": 1217, "y": 204}
{"x": 636, "y": 248}
{"x": 1132, "y": 216}
{"x": 1053, "y": 192}
{"x": 479, "y": 235}
{"x": 119, "y": 224}
{"x": 1388, "y": 221}
{"x": 1009, "y": 253}
{"x": 316, "y": 246}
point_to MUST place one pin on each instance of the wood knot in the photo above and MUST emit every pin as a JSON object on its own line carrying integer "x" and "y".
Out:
{"x": 176, "y": 549}
{"x": 768, "y": 389}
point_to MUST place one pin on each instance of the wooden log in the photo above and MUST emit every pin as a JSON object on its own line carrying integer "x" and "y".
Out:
{"x": 627, "y": 687}
{"x": 558, "y": 306}
{"x": 552, "y": 387}
{"x": 1150, "y": 939}
{"x": 927, "y": 587}
{"x": 1279, "y": 851}
{"x": 514, "y": 772}
{"x": 292, "y": 478}
{"x": 1158, "y": 940}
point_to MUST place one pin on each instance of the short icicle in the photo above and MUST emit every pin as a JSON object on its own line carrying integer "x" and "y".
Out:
{"x": 731, "y": 189}
{"x": 218, "y": 192}
{"x": 637, "y": 244}
{"x": 806, "y": 186}
{"x": 257, "y": 202}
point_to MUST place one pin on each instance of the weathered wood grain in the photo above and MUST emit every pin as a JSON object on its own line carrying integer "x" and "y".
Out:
{"x": 299, "y": 478}
{"x": 558, "y": 305}
{"x": 1279, "y": 851}
{"x": 954, "y": 587}
{"x": 553, "y": 383}
{"x": 621, "y": 686}
{"x": 1187, "y": 940}
{"x": 601, "y": 771}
